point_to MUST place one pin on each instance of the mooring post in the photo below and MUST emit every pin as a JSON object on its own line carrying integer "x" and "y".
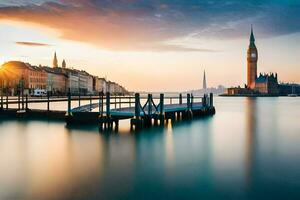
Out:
{"x": 79, "y": 99}
{"x": 99, "y": 103}
{"x": 188, "y": 101}
{"x": 137, "y": 105}
{"x": 211, "y": 101}
{"x": 69, "y": 102}
{"x": 180, "y": 98}
{"x": 102, "y": 101}
{"x": 149, "y": 105}
{"x": 19, "y": 98}
{"x": 161, "y": 103}
{"x": 161, "y": 109}
{"x": 90, "y": 102}
{"x": 7, "y": 98}
{"x": 22, "y": 93}
{"x": 192, "y": 101}
{"x": 48, "y": 101}
{"x": 204, "y": 100}
{"x": 1, "y": 99}
{"x": 107, "y": 104}
{"x": 26, "y": 103}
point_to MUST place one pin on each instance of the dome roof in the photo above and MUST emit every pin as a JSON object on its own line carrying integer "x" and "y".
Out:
{"x": 15, "y": 64}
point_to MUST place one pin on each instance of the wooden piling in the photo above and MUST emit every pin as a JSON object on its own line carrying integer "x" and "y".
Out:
{"x": 188, "y": 100}
{"x": 107, "y": 104}
{"x": 26, "y": 102}
{"x": 192, "y": 101}
{"x": 22, "y": 93}
{"x": 161, "y": 109}
{"x": 211, "y": 101}
{"x": 69, "y": 102}
{"x": 79, "y": 99}
{"x": 1, "y": 99}
{"x": 137, "y": 105}
{"x": 136, "y": 122}
{"x": 90, "y": 102}
{"x": 6, "y": 98}
{"x": 19, "y": 99}
{"x": 188, "y": 113}
{"x": 48, "y": 101}
{"x": 149, "y": 104}
{"x": 180, "y": 98}
{"x": 100, "y": 104}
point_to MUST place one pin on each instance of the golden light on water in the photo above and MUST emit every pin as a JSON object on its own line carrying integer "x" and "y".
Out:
{"x": 169, "y": 143}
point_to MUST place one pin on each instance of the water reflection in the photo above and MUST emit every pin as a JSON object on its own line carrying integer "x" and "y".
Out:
{"x": 169, "y": 148}
{"x": 238, "y": 152}
{"x": 47, "y": 166}
{"x": 251, "y": 129}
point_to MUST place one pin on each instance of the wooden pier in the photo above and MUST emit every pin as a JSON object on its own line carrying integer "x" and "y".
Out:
{"x": 141, "y": 110}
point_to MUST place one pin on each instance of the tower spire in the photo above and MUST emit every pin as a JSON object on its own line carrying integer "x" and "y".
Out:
{"x": 204, "y": 81}
{"x": 55, "y": 63}
{"x": 64, "y": 65}
{"x": 252, "y": 39}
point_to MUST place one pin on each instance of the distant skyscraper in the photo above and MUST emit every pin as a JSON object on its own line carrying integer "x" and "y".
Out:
{"x": 55, "y": 62}
{"x": 204, "y": 81}
{"x": 63, "y": 65}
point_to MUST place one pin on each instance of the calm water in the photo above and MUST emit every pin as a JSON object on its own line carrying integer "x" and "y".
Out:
{"x": 250, "y": 149}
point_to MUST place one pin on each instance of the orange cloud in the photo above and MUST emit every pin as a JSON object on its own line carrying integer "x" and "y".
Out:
{"x": 110, "y": 29}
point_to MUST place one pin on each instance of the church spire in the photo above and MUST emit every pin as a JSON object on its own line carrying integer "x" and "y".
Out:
{"x": 204, "y": 81}
{"x": 55, "y": 63}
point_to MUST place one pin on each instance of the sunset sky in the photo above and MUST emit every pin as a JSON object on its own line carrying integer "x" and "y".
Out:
{"x": 159, "y": 45}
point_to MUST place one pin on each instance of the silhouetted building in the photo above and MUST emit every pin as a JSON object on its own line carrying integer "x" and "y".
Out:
{"x": 64, "y": 65}
{"x": 204, "y": 81}
{"x": 252, "y": 57}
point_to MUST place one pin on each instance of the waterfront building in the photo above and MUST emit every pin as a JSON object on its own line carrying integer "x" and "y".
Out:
{"x": 99, "y": 85}
{"x": 111, "y": 87}
{"x": 18, "y": 75}
{"x": 90, "y": 89}
{"x": 56, "y": 81}
{"x": 289, "y": 89}
{"x": 265, "y": 84}
{"x": 103, "y": 85}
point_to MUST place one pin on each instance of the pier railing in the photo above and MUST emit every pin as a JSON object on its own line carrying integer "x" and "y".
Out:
{"x": 147, "y": 104}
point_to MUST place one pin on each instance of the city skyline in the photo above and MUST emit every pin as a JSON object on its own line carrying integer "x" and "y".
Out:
{"x": 164, "y": 49}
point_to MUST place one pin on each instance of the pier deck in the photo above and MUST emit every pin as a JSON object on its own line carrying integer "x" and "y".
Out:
{"x": 142, "y": 111}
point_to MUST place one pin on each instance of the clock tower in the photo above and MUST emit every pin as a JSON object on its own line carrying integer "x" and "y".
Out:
{"x": 252, "y": 57}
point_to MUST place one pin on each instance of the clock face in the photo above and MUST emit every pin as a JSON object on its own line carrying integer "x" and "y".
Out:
{"x": 253, "y": 55}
